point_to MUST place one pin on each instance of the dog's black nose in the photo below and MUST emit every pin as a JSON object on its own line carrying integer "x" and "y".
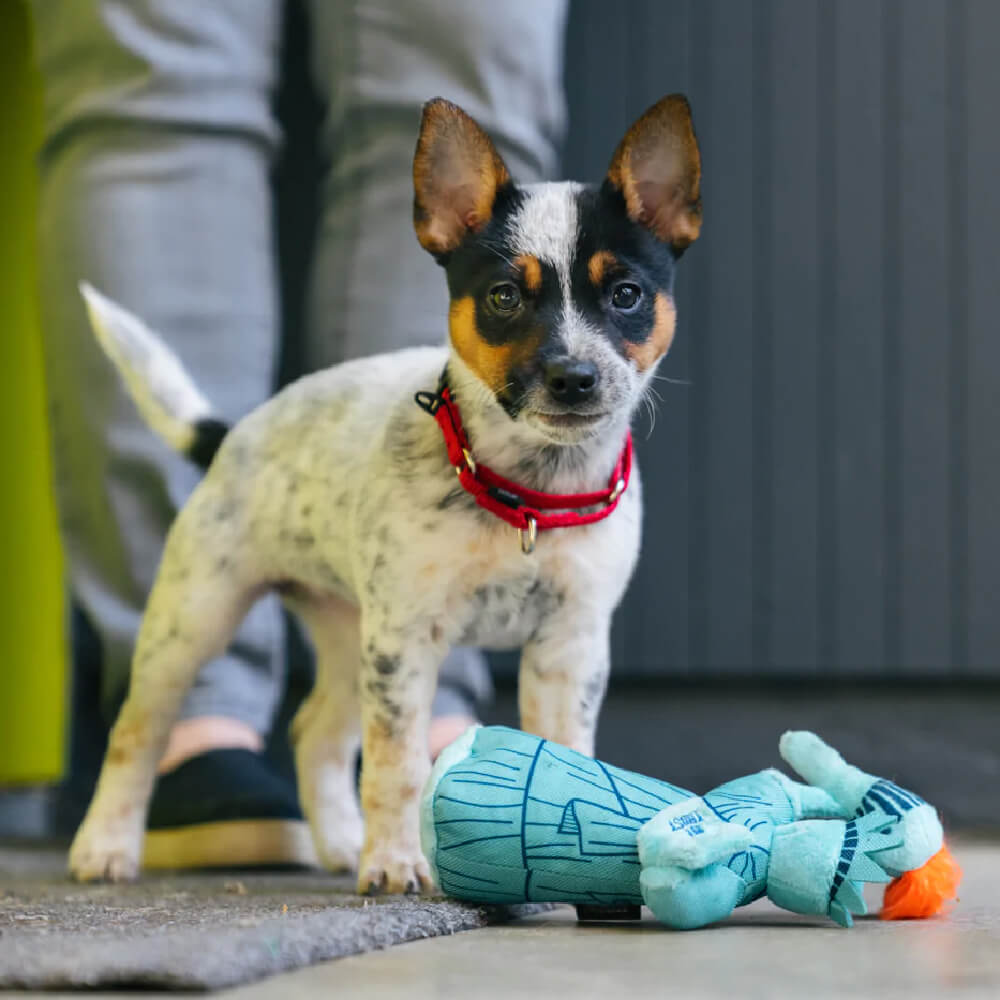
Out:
{"x": 570, "y": 381}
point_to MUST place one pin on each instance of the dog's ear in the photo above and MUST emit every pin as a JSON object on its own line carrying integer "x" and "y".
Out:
{"x": 456, "y": 175}
{"x": 657, "y": 168}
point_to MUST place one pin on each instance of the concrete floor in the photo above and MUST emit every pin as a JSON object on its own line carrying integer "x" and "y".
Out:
{"x": 759, "y": 953}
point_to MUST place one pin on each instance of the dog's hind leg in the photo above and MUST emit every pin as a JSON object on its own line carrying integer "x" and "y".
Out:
{"x": 196, "y": 604}
{"x": 326, "y": 731}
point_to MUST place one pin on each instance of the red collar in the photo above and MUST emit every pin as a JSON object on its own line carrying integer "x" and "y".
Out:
{"x": 515, "y": 504}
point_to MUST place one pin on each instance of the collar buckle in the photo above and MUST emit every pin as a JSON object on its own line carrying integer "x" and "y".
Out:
{"x": 427, "y": 401}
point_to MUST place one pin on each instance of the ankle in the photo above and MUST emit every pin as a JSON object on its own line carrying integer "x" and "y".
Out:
{"x": 445, "y": 729}
{"x": 191, "y": 737}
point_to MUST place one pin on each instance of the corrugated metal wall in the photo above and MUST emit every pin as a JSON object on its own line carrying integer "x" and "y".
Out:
{"x": 824, "y": 477}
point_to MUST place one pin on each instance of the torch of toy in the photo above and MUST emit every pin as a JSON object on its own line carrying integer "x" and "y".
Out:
{"x": 925, "y": 891}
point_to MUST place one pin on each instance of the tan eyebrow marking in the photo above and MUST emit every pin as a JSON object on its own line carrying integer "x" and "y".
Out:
{"x": 531, "y": 269}
{"x": 599, "y": 265}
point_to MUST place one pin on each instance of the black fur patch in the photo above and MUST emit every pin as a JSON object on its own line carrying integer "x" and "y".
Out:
{"x": 208, "y": 437}
{"x": 642, "y": 260}
{"x": 385, "y": 664}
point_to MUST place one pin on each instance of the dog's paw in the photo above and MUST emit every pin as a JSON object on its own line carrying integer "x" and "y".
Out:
{"x": 392, "y": 869}
{"x": 338, "y": 842}
{"x": 97, "y": 856}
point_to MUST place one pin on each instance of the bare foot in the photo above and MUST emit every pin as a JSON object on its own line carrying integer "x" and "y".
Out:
{"x": 446, "y": 729}
{"x": 191, "y": 737}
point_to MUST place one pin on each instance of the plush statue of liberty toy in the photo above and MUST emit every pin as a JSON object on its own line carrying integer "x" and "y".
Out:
{"x": 509, "y": 817}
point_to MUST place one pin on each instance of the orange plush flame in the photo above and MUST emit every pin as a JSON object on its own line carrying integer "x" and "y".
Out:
{"x": 923, "y": 892}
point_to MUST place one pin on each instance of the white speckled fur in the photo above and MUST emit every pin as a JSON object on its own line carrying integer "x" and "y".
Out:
{"x": 164, "y": 394}
{"x": 339, "y": 494}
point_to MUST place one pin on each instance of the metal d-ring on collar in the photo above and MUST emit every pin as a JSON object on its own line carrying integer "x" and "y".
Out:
{"x": 470, "y": 463}
{"x": 528, "y": 536}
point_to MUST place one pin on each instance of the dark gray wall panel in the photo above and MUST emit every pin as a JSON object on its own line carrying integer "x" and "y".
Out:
{"x": 854, "y": 320}
{"x": 721, "y": 341}
{"x": 823, "y": 496}
{"x": 924, "y": 331}
{"x": 981, "y": 210}
{"x": 795, "y": 328}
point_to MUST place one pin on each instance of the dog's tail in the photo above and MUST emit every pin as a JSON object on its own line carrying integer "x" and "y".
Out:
{"x": 163, "y": 392}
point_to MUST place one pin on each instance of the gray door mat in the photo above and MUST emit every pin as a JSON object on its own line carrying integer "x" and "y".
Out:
{"x": 197, "y": 931}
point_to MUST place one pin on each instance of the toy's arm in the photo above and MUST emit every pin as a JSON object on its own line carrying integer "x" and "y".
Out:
{"x": 824, "y": 768}
{"x": 684, "y": 879}
{"x": 809, "y": 802}
{"x": 690, "y": 835}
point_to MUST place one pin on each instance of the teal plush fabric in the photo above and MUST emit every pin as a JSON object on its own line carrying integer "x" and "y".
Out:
{"x": 508, "y": 817}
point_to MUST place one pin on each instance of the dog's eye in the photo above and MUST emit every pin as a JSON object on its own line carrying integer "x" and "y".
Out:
{"x": 625, "y": 295}
{"x": 505, "y": 298}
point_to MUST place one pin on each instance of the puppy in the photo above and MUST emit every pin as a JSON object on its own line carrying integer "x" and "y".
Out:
{"x": 341, "y": 493}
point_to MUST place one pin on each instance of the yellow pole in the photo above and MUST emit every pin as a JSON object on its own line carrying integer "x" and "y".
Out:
{"x": 33, "y": 680}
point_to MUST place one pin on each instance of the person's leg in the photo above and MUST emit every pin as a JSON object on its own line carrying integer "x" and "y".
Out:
{"x": 373, "y": 288}
{"x": 155, "y": 188}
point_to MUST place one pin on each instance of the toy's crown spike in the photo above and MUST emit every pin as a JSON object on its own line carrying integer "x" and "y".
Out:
{"x": 864, "y": 839}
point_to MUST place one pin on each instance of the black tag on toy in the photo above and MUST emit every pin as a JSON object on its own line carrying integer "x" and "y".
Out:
{"x": 588, "y": 913}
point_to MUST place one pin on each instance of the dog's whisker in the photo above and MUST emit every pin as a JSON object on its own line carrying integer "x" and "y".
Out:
{"x": 673, "y": 381}
{"x": 498, "y": 250}
{"x": 647, "y": 397}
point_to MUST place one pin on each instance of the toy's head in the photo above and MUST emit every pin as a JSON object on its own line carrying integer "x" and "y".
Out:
{"x": 926, "y": 875}
{"x": 911, "y": 849}
{"x": 561, "y": 294}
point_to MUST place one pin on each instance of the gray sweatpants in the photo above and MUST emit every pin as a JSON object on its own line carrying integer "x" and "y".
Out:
{"x": 159, "y": 141}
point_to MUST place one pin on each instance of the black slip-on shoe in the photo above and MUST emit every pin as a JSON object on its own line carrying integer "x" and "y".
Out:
{"x": 225, "y": 809}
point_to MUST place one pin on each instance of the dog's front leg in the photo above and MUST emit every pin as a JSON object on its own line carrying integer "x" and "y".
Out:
{"x": 564, "y": 673}
{"x": 398, "y": 671}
